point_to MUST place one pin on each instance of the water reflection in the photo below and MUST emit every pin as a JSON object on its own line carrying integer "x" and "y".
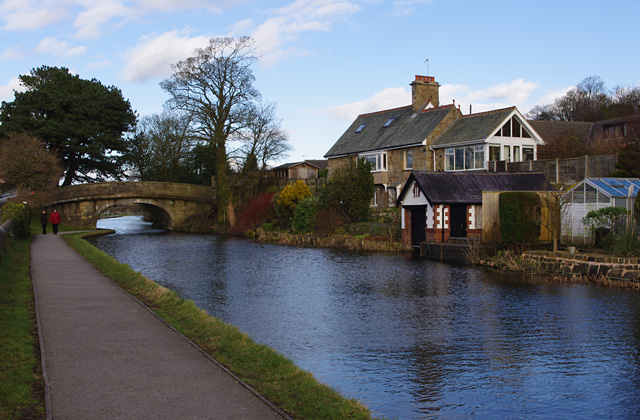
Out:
{"x": 410, "y": 338}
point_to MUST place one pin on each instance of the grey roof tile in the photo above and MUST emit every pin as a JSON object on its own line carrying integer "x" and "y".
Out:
{"x": 472, "y": 127}
{"x": 406, "y": 129}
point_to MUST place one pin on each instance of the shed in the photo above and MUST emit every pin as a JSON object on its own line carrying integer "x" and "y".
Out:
{"x": 593, "y": 194}
{"x": 439, "y": 205}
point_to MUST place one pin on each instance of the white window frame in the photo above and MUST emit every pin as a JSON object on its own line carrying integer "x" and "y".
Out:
{"x": 379, "y": 163}
{"x": 451, "y": 152}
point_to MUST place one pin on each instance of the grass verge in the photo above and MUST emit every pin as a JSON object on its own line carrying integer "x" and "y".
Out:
{"x": 274, "y": 376}
{"x": 21, "y": 384}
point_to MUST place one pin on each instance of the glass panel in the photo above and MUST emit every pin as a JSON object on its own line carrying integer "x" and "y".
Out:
{"x": 578, "y": 194}
{"x": 516, "y": 153}
{"x": 459, "y": 158}
{"x": 590, "y": 194}
{"x": 372, "y": 160}
{"x": 507, "y": 154}
{"x": 603, "y": 198}
{"x": 384, "y": 162}
{"x": 408, "y": 161}
{"x": 449, "y": 160}
{"x": 516, "y": 128}
{"x": 494, "y": 152}
{"x": 388, "y": 123}
{"x": 506, "y": 129}
{"x": 360, "y": 128}
{"x": 527, "y": 153}
{"x": 479, "y": 161}
{"x": 468, "y": 157}
{"x": 525, "y": 133}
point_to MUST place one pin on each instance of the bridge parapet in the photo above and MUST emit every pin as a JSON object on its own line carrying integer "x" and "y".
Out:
{"x": 144, "y": 189}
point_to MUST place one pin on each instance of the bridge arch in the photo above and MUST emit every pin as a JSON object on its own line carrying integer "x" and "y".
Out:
{"x": 167, "y": 221}
{"x": 181, "y": 203}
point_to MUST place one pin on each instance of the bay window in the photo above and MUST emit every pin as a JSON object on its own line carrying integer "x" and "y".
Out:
{"x": 464, "y": 158}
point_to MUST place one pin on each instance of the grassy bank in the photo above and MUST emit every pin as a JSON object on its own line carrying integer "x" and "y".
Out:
{"x": 21, "y": 384}
{"x": 278, "y": 379}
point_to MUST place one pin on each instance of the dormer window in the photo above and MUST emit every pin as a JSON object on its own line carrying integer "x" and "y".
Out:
{"x": 388, "y": 123}
{"x": 360, "y": 128}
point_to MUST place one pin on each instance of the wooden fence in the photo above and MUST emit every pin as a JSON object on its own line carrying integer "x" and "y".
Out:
{"x": 562, "y": 171}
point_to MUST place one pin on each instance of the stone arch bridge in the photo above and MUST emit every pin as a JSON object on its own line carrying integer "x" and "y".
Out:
{"x": 178, "y": 206}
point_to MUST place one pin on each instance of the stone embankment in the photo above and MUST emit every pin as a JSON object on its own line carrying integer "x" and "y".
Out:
{"x": 565, "y": 263}
{"x": 347, "y": 242}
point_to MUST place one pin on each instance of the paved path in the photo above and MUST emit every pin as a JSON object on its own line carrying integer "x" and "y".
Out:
{"x": 107, "y": 357}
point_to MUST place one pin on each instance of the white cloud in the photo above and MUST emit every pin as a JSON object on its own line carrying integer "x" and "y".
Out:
{"x": 289, "y": 22}
{"x": 12, "y": 53}
{"x": 6, "y": 92}
{"x": 89, "y": 22}
{"x": 517, "y": 92}
{"x": 385, "y": 99}
{"x": 28, "y": 15}
{"x": 58, "y": 48}
{"x": 152, "y": 56}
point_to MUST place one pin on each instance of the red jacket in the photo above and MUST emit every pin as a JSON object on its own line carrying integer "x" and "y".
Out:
{"x": 54, "y": 218}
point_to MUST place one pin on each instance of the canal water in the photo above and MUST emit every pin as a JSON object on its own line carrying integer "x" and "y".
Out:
{"x": 411, "y": 339}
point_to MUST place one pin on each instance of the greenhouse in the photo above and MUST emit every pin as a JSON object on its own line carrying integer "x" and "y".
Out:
{"x": 594, "y": 194}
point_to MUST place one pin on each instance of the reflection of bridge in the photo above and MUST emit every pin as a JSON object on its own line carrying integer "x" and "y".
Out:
{"x": 176, "y": 205}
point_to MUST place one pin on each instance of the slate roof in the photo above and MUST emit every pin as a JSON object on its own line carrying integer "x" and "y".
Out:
{"x": 466, "y": 187}
{"x": 553, "y": 129}
{"x": 472, "y": 128}
{"x": 407, "y": 129}
{"x": 318, "y": 163}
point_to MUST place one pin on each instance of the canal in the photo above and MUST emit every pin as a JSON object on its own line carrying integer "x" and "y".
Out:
{"x": 411, "y": 339}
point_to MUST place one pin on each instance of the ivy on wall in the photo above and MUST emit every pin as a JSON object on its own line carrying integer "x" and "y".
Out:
{"x": 520, "y": 217}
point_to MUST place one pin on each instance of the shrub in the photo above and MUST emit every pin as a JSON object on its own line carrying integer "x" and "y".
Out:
{"x": 20, "y": 215}
{"x": 292, "y": 194}
{"x": 351, "y": 190}
{"x": 604, "y": 218}
{"x": 519, "y": 217}
{"x": 327, "y": 221}
{"x": 256, "y": 212}
{"x": 304, "y": 215}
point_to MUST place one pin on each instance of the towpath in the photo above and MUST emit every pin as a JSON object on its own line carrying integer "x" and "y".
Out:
{"x": 105, "y": 356}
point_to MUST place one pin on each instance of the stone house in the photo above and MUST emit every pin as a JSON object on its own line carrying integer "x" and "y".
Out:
{"x": 474, "y": 140}
{"x": 396, "y": 141}
{"x": 306, "y": 169}
{"x": 437, "y": 206}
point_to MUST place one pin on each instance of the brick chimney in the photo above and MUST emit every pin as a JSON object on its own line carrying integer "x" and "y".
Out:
{"x": 423, "y": 89}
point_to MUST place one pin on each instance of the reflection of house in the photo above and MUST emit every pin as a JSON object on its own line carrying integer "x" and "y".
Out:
{"x": 300, "y": 170}
{"x": 474, "y": 139}
{"x": 397, "y": 140}
{"x": 440, "y": 205}
{"x": 594, "y": 194}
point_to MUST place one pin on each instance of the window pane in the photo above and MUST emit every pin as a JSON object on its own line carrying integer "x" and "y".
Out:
{"x": 468, "y": 157}
{"x": 372, "y": 160}
{"x": 516, "y": 153}
{"x": 506, "y": 129}
{"x": 525, "y": 133}
{"x": 408, "y": 162}
{"x": 507, "y": 154}
{"x": 449, "y": 160}
{"x": 384, "y": 162}
{"x": 479, "y": 157}
{"x": 590, "y": 194}
{"x": 494, "y": 152}
{"x": 459, "y": 158}
{"x": 603, "y": 198}
{"x": 516, "y": 127}
{"x": 578, "y": 195}
{"x": 527, "y": 153}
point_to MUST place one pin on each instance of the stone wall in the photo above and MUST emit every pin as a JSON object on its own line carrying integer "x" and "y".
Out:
{"x": 616, "y": 268}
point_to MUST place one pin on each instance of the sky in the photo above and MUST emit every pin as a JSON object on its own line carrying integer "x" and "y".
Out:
{"x": 324, "y": 62}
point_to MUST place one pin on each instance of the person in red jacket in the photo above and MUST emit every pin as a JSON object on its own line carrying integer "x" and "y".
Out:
{"x": 55, "y": 221}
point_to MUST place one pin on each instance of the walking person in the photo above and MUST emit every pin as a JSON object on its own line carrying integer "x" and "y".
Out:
{"x": 55, "y": 221}
{"x": 44, "y": 219}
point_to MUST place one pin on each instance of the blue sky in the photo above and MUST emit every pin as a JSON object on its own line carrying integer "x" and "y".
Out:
{"x": 326, "y": 61}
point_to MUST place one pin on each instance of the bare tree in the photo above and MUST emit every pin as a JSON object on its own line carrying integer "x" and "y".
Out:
{"x": 162, "y": 146}
{"x": 215, "y": 88}
{"x": 263, "y": 138}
